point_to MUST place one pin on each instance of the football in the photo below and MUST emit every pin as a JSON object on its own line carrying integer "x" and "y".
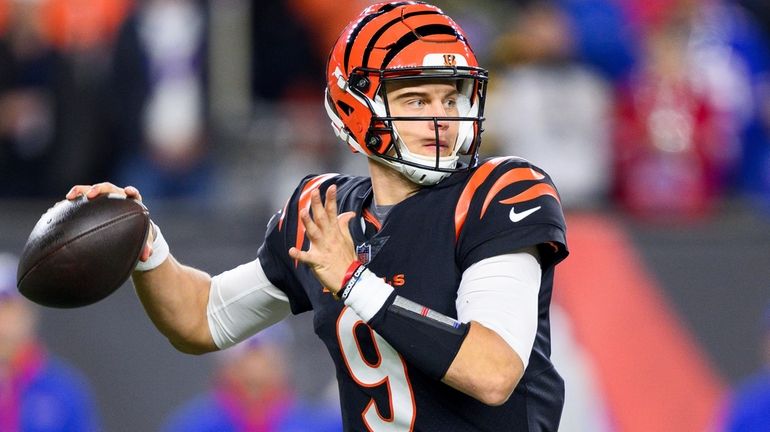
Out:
{"x": 81, "y": 250}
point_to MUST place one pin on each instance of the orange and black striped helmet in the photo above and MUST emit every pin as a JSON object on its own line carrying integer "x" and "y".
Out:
{"x": 396, "y": 41}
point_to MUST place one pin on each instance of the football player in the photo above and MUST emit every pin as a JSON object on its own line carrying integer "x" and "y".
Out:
{"x": 430, "y": 280}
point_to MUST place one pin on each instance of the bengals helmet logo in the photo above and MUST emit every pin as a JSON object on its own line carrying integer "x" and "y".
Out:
{"x": 450, "y": 60}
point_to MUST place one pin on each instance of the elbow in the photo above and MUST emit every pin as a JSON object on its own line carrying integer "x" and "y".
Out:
{"x": 194, "y": 340}
{"x": 191, "y": 348}
{"x": 495, "y": 396}
{"x": 498, "y": 388}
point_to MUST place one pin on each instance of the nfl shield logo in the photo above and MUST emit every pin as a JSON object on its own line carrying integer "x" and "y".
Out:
{"x": 364, "y": 252}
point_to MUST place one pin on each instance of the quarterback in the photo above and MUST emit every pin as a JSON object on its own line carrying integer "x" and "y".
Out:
{"x": 430, "y": 280}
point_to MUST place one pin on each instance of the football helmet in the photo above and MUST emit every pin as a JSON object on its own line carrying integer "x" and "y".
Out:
{"x": 397, "y": 41}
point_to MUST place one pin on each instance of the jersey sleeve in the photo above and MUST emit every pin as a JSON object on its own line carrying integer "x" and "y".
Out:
{"x": 284, "y": 230}
{"x": 507, "y": 205}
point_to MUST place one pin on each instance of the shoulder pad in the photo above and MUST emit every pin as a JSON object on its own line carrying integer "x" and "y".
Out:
{"x": 301, "y": 195}
{"x": 300, "y": 199}
{"x": 507, "y": 181}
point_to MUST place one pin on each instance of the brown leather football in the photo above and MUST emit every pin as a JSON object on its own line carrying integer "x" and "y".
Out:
{"x": 81, "y": 251}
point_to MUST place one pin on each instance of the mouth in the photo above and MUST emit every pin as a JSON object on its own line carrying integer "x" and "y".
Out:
{"x": 432, "y": 149}
{"x": 432, "y": 144}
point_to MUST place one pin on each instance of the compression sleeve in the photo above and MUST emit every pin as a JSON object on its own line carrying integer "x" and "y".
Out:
{"x": 243, "y": 301}
{"x": 501, "y": 293}
{"x": 431, "y": 340}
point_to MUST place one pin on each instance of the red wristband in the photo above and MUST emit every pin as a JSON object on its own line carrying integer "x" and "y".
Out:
{"x": 349, "y": 273}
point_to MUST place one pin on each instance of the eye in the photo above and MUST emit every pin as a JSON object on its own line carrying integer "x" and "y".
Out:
{"x": 415, "y": 103}
{"x": 450, "y": 104}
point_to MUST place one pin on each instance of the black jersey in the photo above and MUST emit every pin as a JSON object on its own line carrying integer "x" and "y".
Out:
{"x": 422, "y": 249}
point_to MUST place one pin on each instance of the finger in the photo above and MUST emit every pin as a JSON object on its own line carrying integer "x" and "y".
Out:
{"x": 146, "y": 253}
{"x": 77, "y": 190}
{"x": 319, "y": 213}
{"x": 331, "y": 202}
{"x": 301, "y": 256}
{"x": 311, "y": 229}
{"x": 132, "y": 192}
{"x": 101, "y": 188}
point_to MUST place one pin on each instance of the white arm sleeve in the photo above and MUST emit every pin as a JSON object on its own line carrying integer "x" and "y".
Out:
{"x": 501, "y": 293}
{"x": 242, "y": 301}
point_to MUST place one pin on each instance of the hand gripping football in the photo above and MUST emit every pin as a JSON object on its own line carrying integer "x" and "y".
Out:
{"x": 81, "y": 250}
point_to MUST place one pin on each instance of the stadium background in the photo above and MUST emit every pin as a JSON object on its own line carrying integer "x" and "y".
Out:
{"x": 659, "y": 307}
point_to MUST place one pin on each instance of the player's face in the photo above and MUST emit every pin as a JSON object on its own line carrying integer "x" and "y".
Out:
{"x": 425, "y": 98}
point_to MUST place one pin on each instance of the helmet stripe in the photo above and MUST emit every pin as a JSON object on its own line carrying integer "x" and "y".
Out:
{"x": 375, "y": 38}
{"x": 354, "y": 34}
{"x": 390, "y": 6}
{"x": 409, "y": 38}
{"x": 362, "y": 23}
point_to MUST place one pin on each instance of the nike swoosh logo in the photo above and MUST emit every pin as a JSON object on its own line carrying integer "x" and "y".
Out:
{"x": 517, "y": 217}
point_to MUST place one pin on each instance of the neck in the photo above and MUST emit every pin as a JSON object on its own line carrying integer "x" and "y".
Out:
{"x": 389, "y": 186}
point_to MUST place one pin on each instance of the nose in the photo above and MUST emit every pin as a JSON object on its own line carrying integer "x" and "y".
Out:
{"x": 437, "y": 109}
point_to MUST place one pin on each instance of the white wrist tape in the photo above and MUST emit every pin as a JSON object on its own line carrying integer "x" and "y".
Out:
{"x": 160, "y": 252}
{"x": 370, "y": 295}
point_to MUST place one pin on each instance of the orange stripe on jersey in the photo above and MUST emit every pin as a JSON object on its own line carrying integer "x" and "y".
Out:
{"x": 507, "y": 179}
{"x": 538, "y": 190}
{"x": 304, "y": 203}
{"x": 372, "y": 219}
{"x": 478, "y": 177}
{"x": 283, "y": 214}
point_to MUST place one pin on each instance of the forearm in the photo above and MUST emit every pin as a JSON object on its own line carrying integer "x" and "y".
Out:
{"x": 485, "y": 367}
{"x": 175, "y": 298}
{"x": 466, "y": 356}
{"x": 484, "y": 352}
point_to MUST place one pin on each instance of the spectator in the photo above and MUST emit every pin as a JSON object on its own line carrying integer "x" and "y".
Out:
{"x": 253, "y": 392}
{"x": 83, "y": 31}
{"x": 668, "y": 137}
{"x": 28, "y": 89}
{"x": 551, "y": 109}
{"x": 159, "y": 99}
{"x": 38, "y": 393}
{"x": 287, "y": 120}
{"x": 52, "y": 80}
{"x": 692, "y": 107}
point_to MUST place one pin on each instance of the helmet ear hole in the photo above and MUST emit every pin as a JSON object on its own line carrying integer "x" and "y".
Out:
{"x": 359, "y": 82}
{"x": 347, "y": 109}
{"x": 373, "y": 142}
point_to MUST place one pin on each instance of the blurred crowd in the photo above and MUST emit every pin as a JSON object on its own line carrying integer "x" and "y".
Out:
{"x": 39, "y": 392}
{"x": 658, "y": 108}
